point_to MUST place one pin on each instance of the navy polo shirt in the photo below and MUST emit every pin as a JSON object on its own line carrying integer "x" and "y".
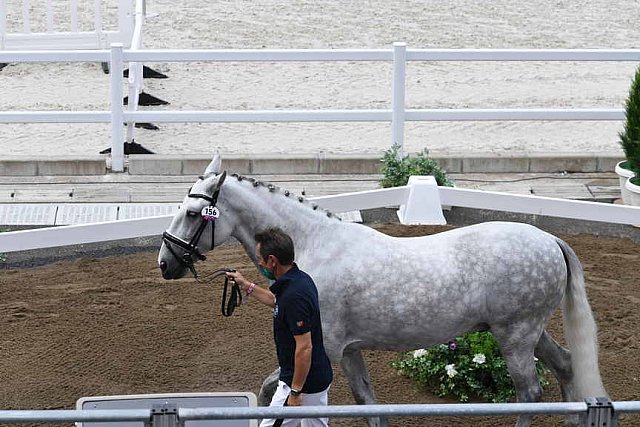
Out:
{"x": 297, "y": 312}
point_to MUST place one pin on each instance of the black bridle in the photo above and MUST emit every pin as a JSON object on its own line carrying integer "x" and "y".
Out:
{"x": 190, "y": 249}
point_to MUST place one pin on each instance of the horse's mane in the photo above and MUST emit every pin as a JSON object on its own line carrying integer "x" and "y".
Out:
{"x": 286, "y": 193}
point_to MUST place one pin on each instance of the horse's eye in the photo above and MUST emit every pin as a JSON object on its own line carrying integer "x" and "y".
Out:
{"x": 192, "y": 213}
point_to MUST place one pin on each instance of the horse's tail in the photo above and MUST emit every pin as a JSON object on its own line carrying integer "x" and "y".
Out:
{"x": 580, "y": 330}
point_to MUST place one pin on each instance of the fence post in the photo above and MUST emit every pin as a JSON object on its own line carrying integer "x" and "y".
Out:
{"x": 117, "y": 134}
{"x": 3, "y": 23}
{"x": 398, "y": 94}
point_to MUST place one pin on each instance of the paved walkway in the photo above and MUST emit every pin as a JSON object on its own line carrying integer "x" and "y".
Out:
{"x": 602, "y": 187}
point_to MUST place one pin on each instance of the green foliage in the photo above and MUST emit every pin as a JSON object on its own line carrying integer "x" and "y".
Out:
{"x": 396, "y": 171}
{"x": 630, "y": 136}
{"x": 468, "y": 367}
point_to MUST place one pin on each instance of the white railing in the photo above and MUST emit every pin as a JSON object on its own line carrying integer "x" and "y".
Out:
{"x": 53, "y": 38}
{"x": 410, "y": 199}
{"x": 397, "y": 114}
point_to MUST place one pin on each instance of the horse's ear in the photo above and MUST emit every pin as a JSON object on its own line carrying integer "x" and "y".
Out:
{"x": 221, "y": 178}
{"x": 214, "y": 166}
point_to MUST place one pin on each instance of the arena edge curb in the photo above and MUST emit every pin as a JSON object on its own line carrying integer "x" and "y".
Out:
{"x": 321, "y": 163}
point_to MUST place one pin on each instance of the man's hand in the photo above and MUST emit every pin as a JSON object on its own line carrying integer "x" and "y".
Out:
{"x": 237, "y": 277}
{"x": 295, "y": 400}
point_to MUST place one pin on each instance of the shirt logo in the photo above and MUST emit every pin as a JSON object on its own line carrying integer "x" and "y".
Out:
{"x": 300, "y": 323}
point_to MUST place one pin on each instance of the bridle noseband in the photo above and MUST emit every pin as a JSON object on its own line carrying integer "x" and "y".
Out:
{"x": 190, "y": 248}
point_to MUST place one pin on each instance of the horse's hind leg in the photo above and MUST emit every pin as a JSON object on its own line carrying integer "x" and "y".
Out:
{"x": 517, "y": 342}
{"x": 558, "y": 360}
{"x": 355, "y": 370}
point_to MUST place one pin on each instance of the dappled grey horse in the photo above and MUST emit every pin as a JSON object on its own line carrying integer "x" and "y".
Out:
{"x": 389, "y": 293}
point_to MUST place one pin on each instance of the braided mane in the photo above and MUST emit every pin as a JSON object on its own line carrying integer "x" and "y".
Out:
{"x": 286, "y": 193}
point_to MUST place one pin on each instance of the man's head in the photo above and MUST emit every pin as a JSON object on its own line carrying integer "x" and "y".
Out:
{"x": 275, "y": 253}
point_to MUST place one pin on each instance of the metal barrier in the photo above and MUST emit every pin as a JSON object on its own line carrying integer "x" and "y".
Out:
{"x": 594, "y": 412}
{"x": 397, "y": 115}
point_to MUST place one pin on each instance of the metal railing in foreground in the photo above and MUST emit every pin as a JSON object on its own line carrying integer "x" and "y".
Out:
{"x": 593, "y": 411}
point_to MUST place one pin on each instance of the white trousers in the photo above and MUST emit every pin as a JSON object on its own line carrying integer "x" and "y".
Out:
{"x": 308, "y": 399}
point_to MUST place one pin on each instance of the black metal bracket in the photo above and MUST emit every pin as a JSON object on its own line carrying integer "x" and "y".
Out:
{"x": 164, "y": 415}
{"x": 600, "y": 413}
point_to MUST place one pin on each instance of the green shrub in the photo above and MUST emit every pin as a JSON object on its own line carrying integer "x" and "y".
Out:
{"x": 468, "y": 367}
{"x": 396, "y": 171}
{"x": 630, "y": 136}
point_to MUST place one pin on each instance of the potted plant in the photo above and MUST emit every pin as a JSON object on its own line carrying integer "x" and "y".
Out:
{"x": 397, "y": 169}
{"x": 629, "y": 169}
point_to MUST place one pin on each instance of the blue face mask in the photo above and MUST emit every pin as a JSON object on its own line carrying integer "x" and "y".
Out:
{"x": 267, "y": 273}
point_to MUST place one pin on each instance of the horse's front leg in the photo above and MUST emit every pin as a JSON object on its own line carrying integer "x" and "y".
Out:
{"x": 355, "y": 370}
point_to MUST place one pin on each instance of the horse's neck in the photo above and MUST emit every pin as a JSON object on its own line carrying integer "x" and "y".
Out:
{"x": 257, "y": 209}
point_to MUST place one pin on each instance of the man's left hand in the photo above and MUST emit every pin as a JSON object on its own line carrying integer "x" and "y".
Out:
{"x": 295, "y": 400}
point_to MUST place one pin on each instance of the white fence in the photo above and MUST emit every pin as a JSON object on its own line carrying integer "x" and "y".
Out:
{"x": 411, "y": 199}
{"x": 397, "y": 114}
{"x": 73, "y": 37}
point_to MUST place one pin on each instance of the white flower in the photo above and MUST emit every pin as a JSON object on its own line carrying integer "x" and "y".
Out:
{"x": 479, "y": 358}
{"x": 418, "y": 353}
{"x": 451, "y": 370}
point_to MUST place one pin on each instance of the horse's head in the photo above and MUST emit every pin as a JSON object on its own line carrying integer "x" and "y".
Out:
{"x": 198, "y": 227}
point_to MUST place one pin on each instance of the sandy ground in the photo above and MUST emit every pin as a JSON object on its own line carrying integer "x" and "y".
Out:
{"x": 335, "y": 24}
{"x": 107, "y": 326}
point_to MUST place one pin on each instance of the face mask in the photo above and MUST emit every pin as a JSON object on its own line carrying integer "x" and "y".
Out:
{"x": 267, "y": 273}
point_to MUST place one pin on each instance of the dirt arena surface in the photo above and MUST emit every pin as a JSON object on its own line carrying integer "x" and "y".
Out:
{"x": 106, "y": 326}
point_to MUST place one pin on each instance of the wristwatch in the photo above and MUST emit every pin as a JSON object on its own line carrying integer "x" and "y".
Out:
{"x": 295, "y": 392}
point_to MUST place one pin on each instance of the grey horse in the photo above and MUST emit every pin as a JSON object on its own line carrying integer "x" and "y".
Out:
{"x": 382, "y": 292}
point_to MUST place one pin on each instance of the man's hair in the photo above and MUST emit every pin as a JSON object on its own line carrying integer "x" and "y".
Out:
{"x": 276, "y": 242}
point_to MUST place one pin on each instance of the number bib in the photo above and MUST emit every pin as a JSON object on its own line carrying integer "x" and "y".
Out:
{"x": 210, "y": 213}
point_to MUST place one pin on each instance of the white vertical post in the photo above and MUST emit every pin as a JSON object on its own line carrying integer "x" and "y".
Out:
{"x": 398, "y": 94}
{"x": 125, "y": 20}
{"x": 74, "y": 16}
{"x": 26, "y": 25}
{"x": 134, "y": 96}
{"x": 3, "y": 23}
{"x": 117, "y": 134}
{"x": 49, "y": 16}
{"x": 97, "y": 16}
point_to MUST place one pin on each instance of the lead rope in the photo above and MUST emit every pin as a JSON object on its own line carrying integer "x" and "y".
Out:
{"x": 235, "y": 299}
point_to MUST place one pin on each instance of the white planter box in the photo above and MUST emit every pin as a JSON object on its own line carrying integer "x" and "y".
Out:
{"x": 633, "y": 193}
{"x": 624, "y": 175}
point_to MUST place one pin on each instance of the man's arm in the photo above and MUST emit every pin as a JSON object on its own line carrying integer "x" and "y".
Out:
{"x": 302, "y": 364}
{"x": 263, "y": 295}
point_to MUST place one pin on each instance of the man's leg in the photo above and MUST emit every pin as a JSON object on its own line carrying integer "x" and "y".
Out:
{"x": 278, "y": 399}
{"x": 316, "y": 399}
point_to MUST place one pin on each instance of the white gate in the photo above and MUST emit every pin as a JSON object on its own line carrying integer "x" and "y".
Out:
{"x": 87, "y": 24}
